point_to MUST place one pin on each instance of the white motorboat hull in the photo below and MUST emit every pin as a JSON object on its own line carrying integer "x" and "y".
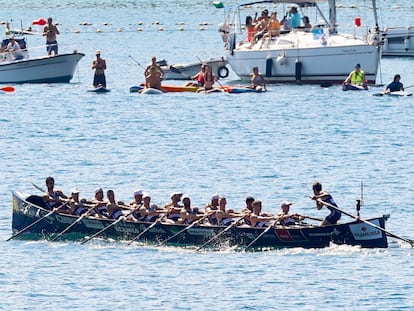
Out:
{"x": 185, "y": 71}
{"x": 46, "y": 69}
{"x": 398, "y": 41}
{"x": 308, "y": 61}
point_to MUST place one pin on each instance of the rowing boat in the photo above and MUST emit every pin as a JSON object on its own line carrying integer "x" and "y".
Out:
{"x": 27, "y": 209}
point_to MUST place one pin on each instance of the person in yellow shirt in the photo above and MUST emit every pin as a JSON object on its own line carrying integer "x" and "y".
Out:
{"x": 356, "y": 77}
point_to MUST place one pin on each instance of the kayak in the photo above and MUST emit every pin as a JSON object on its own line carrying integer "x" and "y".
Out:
{"x": 178, "y": 88}
{"x": 100, "y": 89}
{"x": 150, "y": 90}
{"x": 353, "y": 87}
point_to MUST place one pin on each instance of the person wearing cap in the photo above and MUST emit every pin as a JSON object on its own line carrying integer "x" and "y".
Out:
{"x": 356, "y": 77}
{"x": 14, "y": 49}
{"x": 78, "y": 207}
{"x": 285, "y": 218}
{"x": 293, "y": 17}
{"x": 174, "y": 207}
{"x": 137, "y": 201}
{"x": 211, "y": 208}
{"x": 53, "y": 198}
{"x": 51, "y": 31}
{"x": 322, "y": 195}
{"x": 99, "y": 65}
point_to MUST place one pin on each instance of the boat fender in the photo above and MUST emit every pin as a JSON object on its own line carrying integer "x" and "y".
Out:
{"x": 407, "y": 43}
{"x": 298, "y": 71}
{"x": 232, "y": 43}
{"x": 223, "y": 72}
{"x": 269, "y": 63}
{"x": 281, "y": 60}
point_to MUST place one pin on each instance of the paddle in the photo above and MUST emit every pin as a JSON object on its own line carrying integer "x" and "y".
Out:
{"x": 183, "y": 230}
{"x": 72, "y": 224}
{"x": 411, "y": 242}
{"x": 38, "y": 188}
{"x": 109, "y": 226}
{"x": 37, "y": 221}
{"x": 7, "y": 88}
{"x": 220, "y": 233}
{"x": 146, "y": 230}
{"x": 261, "y": 234}
{"x": 136, "y": 62}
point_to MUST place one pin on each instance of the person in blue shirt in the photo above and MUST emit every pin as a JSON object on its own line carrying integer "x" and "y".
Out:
{"x": 294, "y": 17}
{"x": 395, "y": 85}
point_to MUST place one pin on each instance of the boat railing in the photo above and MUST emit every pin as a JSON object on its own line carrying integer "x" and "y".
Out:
{"x": 36, "y": 52}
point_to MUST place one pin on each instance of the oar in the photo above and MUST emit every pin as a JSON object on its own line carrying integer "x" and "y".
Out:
{"x": 72, "y": 224}
{"x": 220, "y": 233}
{"x": 183, "y": 230}
{"x": 109, "y": 226}
{"x": 38, "y": 188}
{"x": 261, "y": 234}
{"x": 411, "y": 242}
{"x": 146, "y": 230}
{"x": 7, "y": 89}
{"x": 37, "y": 221}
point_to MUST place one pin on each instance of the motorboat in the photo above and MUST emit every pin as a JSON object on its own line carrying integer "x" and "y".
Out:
{"x": 37, "y": 69}
{"x": 398, "y": 41}
{"x": 319, "y": 54}
{"x": 186, "y": 71}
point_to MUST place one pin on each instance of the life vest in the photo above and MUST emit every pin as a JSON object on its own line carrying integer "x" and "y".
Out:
{"x": 357, "y": 77}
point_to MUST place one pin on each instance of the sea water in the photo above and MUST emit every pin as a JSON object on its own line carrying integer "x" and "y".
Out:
{"x": 272, "y": 146}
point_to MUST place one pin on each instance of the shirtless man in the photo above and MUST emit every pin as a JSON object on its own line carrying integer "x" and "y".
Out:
{"x": 50, "y": 31}
{"x": 99, "y": 64}
{"x": 153, "y": 78}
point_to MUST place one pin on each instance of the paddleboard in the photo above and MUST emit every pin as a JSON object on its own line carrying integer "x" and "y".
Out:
{"x": 100, "y": 89}
{"x": 352, "y": 87}
{"x": 397, "y": 93}
{"x": 238, "y": 90}
{"x": 135, "y": 88}
{"x": 150, "y": 90}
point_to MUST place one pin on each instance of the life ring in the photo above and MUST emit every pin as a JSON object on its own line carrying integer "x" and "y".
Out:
{"x": 223, "y": 72}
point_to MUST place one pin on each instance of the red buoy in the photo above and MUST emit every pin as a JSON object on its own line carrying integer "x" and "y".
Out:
{"x": 358, "y": 21}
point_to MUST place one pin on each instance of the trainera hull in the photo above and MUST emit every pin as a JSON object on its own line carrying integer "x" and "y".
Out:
{"x": 27, "y": 209}
{"x": 46, "y": 69}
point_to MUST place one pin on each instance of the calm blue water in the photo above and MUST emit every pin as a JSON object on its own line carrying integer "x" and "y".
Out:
{"x": 272, "y": 146}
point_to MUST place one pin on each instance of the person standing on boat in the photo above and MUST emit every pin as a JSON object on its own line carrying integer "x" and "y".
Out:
{"x": 322, "y": 195}
{"x": 52, "y": 198}
{"x": 395, "y": 85}
{"x": 157, "y": 67}
{"x": 356, "y": 77}
{"x": 293, "y": 17}
{"x": 99, "y": 64}
{"x": 51, "y": 31}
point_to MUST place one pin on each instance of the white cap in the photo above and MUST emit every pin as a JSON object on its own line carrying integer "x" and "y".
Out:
{"x": 75, "y": 190}
{"x": 98, "y": 52}
{"x": 285, "y": 203}
{"x": 175, "y": 193}
{"x": 98, "y": 190}
{"x": 138, "y": 192}
{"x": 215, "y": 197}
{"x": 146, "y": 195}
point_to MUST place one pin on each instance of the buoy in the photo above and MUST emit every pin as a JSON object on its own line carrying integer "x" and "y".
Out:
{"x": 202, "y": 28}
{"x": 140, "y": 23}
{"x": 358, "y": 21}
{"x": 181, "y": 28}
{"x": 119, "y": 29}
{"x": 77, "y": 31}
{"x": 160, "y": 29}
{"x": 98, "y": 30}
{"x": 139, "y": 29}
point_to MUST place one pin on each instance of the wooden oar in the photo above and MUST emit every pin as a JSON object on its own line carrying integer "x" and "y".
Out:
{"x": 7, "y": 88}
{"x": 37, "y": 221}
{"x": 109, "y": 226}
{"x": 261, "y": 234}
{"x": 183, "y": 230}
{"x": 72, "y": 224}
{"x": 146, "y": 230}
{"x": 38, "y": 188}
{"x": 411, "y": 242}
{"x": 220, "y": 233}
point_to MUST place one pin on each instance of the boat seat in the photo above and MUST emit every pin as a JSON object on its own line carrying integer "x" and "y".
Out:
{"x": 36, "y": 200}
